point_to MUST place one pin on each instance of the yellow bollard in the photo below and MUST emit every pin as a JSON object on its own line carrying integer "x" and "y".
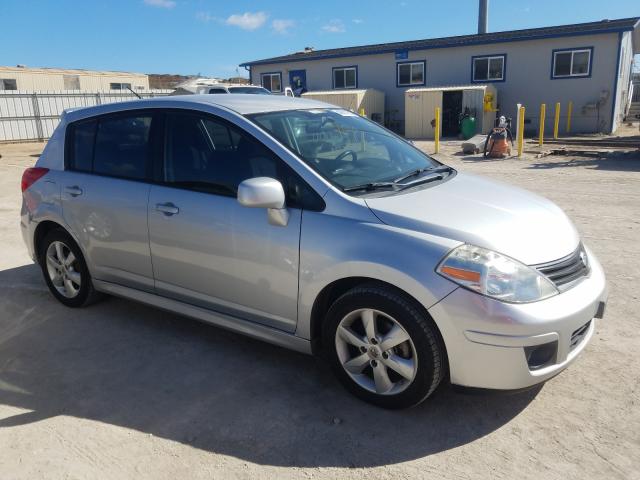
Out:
{"x": 362, "y": 113}
{"x": 556, "y": 122}
{"x": 520, "y": 131}
{"x": 543, "y": 112}
{"x": 569, "y": 112}
{"x": 437, "y": 130}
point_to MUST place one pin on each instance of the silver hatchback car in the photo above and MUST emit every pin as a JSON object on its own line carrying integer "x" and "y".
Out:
{"x": 310, "y": 227}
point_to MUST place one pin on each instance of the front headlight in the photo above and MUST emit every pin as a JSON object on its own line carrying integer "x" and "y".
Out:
{"x": 495, "y": 275}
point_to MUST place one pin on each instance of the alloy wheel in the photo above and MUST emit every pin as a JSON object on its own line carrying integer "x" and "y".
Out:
{"x": 63, "y": 269}
{"x": 376, "y": 351}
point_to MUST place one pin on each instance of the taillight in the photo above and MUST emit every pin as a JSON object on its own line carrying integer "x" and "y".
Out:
{"x": 31, "y": 176}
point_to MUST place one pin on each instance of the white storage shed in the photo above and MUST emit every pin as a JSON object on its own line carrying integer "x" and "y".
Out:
{"x": 371, "y": 100}
{"x": 421, "y": 103}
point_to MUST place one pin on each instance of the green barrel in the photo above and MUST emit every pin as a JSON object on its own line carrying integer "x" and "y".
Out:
{"x": 468, "y": 127}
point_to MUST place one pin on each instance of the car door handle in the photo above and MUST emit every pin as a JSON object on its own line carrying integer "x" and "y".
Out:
{"x": 167, "y": 208}
{"x": 73, "y": 191}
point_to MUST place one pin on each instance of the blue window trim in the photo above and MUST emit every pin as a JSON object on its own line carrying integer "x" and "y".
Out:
{"x": 572, "y": 49}
{"x": 333, "y": 77}
{"x": 410, "y": 85}
{"x": 272, "y": 73}
{"x": 504, "y": 67}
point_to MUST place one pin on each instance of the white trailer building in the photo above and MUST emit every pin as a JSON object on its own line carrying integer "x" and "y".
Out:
{"x": 36, "y": 80}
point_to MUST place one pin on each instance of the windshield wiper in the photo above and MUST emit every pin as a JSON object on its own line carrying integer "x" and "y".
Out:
{"x": 370, "y": 186}
{"x": 418, "y": 171}
{"x": 432, "y": 178}
{"x": 412, "y": 173}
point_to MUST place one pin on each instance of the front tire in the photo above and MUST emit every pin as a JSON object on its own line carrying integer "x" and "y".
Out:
{"x": 65, "y": 270}
{"x": 383, "y": 348}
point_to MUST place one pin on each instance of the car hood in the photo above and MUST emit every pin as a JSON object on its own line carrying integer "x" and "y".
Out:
{"x": 486, "y": 213}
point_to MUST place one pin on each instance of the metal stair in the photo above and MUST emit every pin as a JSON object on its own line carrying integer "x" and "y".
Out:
{"x": 634, "y": 110}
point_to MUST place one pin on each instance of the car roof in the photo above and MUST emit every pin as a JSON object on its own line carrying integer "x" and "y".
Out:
{"x": 240, "y": 103}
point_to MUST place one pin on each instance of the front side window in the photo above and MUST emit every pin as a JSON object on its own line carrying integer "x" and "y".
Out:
{"x": 488, "y": 69}
{"x": 345, "y": 77}
{"x": 122, "y": 147}
{"x": 410, "y": 73}
{"x": 209, "y": 155}
{"x": 214, "y": 91}
{"x": 343, "y": 147}
{"x": 8, "y": 84}
{"x": 572, "y": 63}
{"x": 272, "y": 81}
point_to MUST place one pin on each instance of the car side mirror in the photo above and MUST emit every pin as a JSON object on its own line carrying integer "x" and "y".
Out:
{"x": 265, "y": 192}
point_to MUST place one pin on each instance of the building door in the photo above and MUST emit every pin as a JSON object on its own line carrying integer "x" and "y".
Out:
{"x": 298, "y": 81}
{"x": 451, "y": 110}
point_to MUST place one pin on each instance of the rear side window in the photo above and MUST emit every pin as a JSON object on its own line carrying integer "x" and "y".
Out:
{"x": 83, "y": 138}
{"x": 122, "y": 146}
{"x": 116, "y": 146}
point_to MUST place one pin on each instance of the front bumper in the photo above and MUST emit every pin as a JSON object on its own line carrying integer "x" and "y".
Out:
{"x": 489, "y": 343}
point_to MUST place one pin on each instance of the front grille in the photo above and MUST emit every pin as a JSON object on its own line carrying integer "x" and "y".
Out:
{"x": 578, "y": 335}
{"x": 567, "y": 269}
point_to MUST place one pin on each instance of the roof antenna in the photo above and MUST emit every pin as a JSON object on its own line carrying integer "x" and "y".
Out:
{"x": 135, "y": 93}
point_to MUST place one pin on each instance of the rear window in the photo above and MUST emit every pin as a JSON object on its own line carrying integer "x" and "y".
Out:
{"x": 116, "y": 146}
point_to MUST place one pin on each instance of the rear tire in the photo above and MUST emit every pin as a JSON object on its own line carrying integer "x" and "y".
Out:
{"x": 65, "y": 270}
{"x": 401, "y": 365}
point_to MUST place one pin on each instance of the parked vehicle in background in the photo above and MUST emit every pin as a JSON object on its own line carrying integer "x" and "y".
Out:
{"x": 214, "y": 86}
{"x": 311, "y": 227}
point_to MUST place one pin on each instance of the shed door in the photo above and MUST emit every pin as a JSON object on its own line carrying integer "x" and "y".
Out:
{"x": 430, "y": 100}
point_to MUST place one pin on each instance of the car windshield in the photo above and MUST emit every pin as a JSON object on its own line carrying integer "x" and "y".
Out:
{"x": 347, "y": 149}
{"x": 250, "y": 90}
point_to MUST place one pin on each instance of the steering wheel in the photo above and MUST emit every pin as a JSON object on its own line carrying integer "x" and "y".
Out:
{"x": 353, "y": 154}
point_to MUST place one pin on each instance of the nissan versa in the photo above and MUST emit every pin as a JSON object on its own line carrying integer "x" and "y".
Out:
{"x": 310, "y": 227}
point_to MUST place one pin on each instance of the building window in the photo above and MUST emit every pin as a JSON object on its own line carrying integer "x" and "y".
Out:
{"x": 488, "y": 69}
{"x": 345, "y": 77}
{"x": 119, "y": 86}
{"x": 8, "y": 84}
{"x": 572, "y": 63}
{"x": 410, "y": 73}
{"x": 71, "y": 82}
{"x": 272, "y": 81}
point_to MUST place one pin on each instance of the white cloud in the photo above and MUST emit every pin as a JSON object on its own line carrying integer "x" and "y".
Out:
{"x": 334, "y": 26}
{"x": 160, "y": 3}
{"x": 248, "y": 20}
{"x": 357, "y": 21}
{"x": 281, "y": 25}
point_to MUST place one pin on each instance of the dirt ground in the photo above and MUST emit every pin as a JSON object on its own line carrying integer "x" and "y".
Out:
{"x": 120, "y": 390}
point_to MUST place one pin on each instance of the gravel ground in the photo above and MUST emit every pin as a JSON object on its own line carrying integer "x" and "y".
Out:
{"x": 120, "y": 390}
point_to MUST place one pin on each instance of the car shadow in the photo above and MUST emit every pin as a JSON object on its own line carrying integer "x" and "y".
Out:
{"x": 127, "y": 364}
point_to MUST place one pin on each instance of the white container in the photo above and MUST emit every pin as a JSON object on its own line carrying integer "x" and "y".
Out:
{"x": 371, "y": 100}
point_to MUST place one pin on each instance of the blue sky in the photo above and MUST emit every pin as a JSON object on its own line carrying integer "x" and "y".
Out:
{"x": 212, "y": 37}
